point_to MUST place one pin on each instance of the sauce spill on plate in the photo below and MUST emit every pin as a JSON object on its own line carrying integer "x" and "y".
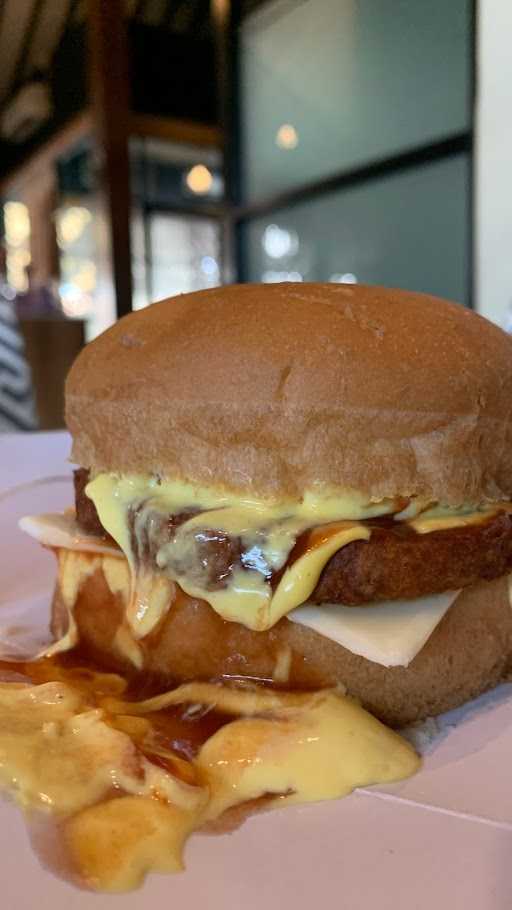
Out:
{"x": 123, "y": 780}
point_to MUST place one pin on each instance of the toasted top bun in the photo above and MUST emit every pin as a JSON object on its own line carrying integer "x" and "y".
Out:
{"x": 272, "y": 389}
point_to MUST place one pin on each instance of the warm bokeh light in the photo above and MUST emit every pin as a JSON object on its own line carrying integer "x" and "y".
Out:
{"x": 71, "y": 223}
{"x": 17, "y": 223}
{"x": 17, "y": 244}
{"x": 16, "y": 265}
{"x": 199, "y": 179}
{"x": 74, "y": 302}
{"x": 287, "y": 137}
{"x": 343, "y": 278}
{"x": 78, "y": 270}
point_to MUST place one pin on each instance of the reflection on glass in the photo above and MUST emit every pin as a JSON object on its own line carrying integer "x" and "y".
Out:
{"x": 78, "y": 274}
{"x": 176, "y": 254}
{"x": 409, "y": 230}
{"x": 345, "y": 278}
{"x": 287, "y": 137}
{"x": 272, "y": 276}
{"x": 278, "y": 242}
{"x": 328, "y": 85}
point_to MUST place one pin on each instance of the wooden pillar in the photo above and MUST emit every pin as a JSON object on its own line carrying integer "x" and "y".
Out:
{"x": 225, "y": 15}
{"x": 40, "y": 196}
{"x": 110, "y": 97}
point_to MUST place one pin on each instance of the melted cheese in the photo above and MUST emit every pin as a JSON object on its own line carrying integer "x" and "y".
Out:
{"x": 81, "y": 755}
{"x": 301, "y": 578}
{"x": 426, "y": 524}
{"x": 74, "y": 570}
{"x": 323, "y": 752}
{"x": 392, "y": 636}
{"x": 391, "y": 633}
{"x": 115, "y": 493}
{"x": 267, "y": 530}
{"x": 248, "y": 599}
{"x": 58, "y": 753}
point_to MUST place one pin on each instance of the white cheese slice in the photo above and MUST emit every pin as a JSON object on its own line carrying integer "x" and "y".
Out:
{"x": 62, "y": 530}
{"x": 390, "y": 633}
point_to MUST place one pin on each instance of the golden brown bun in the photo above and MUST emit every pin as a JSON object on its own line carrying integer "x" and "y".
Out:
{"x": 469, "y": 652}
{"x": 272, "y": 388}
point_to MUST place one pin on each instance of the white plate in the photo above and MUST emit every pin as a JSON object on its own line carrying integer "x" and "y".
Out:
{"x": 442, "y": 839}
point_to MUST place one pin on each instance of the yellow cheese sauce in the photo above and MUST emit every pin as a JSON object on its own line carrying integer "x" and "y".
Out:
{"x": 267, "y": 530}
{"x": 439, "y": 519}
{"x": 130, "y": 508}
{"x": 127, "y": 781}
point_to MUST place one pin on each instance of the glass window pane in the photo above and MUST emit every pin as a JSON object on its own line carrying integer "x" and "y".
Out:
{"x": 330, "y": 84}
{"x": 183, "y": 255}
{"x": 409, "y": 230}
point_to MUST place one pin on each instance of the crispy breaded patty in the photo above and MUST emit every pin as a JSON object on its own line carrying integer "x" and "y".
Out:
{"x": 395, "y": 563}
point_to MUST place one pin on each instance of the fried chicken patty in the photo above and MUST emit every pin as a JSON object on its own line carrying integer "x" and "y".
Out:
{"x": 395, "y": 563}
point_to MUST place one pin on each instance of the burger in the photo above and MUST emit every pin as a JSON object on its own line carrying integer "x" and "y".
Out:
{"x": 310, "y": 484}
{"x": 292, "y": 488}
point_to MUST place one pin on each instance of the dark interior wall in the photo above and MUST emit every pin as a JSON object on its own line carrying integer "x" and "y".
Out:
{"x": 68, "y": 84}
{"x": 171, "y": 75}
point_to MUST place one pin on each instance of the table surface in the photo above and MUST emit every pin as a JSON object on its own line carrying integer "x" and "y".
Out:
{"x": 441, "y": 839}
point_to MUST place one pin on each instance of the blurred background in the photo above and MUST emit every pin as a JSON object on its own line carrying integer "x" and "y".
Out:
{"x": 152, "y": 147}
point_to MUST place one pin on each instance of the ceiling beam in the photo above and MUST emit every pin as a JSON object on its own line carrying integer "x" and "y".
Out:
{"x": 76, "y": 130}
{"x": 21, "y": 67}
{"x": 173, "y": 129}
{"x": 81, "y": 128}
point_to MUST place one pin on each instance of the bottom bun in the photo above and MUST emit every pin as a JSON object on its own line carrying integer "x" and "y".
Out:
{"x": 470, "y": 650}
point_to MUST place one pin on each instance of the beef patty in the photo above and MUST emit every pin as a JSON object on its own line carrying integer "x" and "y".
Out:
{"x": 395, "y": 563}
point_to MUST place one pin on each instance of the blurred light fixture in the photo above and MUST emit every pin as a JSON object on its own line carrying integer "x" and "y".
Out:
{"x": 77, "y": 289}
{"x": 17, "y": 223}
{"x": 17, "y": 262}
{"x": 343, "y": 278}
{"x": 209, "y": 267}
{"x": 278, "y": 242}
{"x": 199, "y": 179}
{"x": 287, "y": 137}
{"x": 71, "y": 223}
{"x": 74, "y": 302}
{"x": 273, "y": 277}
{"x": 17, "y": 243}
{"x": 26, "y": 112}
